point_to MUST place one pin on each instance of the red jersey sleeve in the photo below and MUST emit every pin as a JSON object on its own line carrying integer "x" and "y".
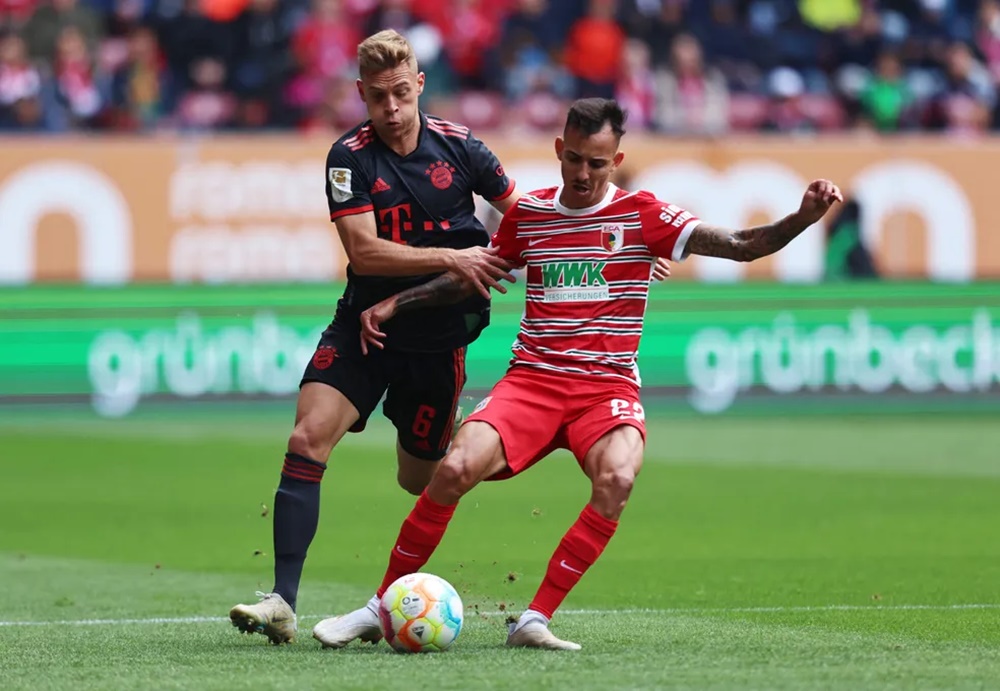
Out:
{"x": 506, "y": 240}
{"x": 665, "y": 227}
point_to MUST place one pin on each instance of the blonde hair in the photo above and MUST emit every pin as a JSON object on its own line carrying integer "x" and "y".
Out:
{"x": 385, "y": 50}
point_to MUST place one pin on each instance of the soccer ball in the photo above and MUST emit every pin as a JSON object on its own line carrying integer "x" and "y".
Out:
{"x": 420, "y": 613}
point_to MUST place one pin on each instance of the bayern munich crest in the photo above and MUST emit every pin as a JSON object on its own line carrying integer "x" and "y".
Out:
{"x": 612, "y": 236}
{"x": 441, "y": 174}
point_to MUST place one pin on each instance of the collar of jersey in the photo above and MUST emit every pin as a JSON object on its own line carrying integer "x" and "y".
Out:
{"x": 608, "y": 198}
{"x": 420, "y": 137}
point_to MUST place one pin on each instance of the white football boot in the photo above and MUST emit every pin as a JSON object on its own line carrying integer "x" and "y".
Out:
{"x": 534, "y": 633}
{"x": 336, "y": 632}
{"x": 272, "y": 617}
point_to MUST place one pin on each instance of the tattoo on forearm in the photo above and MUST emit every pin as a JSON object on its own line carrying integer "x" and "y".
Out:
{"x": 446, "y": 289}
{"x": 745, "y": 245}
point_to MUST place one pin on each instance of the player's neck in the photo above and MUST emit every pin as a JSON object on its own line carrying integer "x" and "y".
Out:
{"x": 403, "y": 142}
{"x": 567, "y": 200}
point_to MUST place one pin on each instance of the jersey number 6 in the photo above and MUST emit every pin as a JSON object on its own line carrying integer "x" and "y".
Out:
{"x": 422, "y": 421}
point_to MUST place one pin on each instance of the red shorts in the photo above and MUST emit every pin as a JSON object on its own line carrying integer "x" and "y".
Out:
{"x": 537, "y": 412}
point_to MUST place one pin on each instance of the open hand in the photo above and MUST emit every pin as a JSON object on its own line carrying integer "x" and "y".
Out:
{"x": 819, "y": 197}
{"x": 371, "y": 320}
{"x": 483, "y": 268}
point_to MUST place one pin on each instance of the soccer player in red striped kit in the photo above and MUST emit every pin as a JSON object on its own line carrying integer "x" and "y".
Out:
{"x": 573, "y": 382}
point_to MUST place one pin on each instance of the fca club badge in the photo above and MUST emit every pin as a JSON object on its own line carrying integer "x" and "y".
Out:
{"x": 612, "y": 237}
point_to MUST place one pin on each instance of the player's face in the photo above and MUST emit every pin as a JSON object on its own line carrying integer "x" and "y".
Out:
{"x": 587, "y": 164}
{"x": 391, "y": 97}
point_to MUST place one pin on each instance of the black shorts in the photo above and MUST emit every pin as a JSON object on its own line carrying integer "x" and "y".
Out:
{"x": 421, "y": 389}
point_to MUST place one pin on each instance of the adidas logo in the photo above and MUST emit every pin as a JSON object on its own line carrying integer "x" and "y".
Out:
{"x": 422, "y": 444}
{"x": 380, "y": 186}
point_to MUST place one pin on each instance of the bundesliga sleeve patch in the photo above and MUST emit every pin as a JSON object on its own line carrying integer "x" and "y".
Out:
{"x": 340, "y": 184}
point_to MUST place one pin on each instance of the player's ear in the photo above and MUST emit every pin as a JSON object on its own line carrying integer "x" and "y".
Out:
{"x": 361, "y": 89}
{"x": 420, "y": 83}
{"x": 560, "y": 144}
{"x": 619, "y": 157}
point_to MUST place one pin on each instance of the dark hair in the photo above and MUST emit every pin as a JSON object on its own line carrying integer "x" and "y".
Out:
{"x": 589, "y": 115}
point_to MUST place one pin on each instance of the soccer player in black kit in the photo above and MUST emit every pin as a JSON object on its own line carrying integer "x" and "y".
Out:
{"x": 400, "y": 191}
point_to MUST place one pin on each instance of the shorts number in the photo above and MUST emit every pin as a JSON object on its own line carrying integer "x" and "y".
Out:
{"x": 623, "y": 410}
{"x": 422, "y": 421}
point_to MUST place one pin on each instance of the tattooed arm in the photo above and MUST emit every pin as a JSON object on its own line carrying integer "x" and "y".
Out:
{"x": 754, "y": 243}
{"x": 446, "y": 289}
{"x": 745, "y": 245}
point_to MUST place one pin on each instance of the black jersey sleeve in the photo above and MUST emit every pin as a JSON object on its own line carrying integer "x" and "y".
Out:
{"x": 491, "y": 182}
{"x": 348, "y": 189}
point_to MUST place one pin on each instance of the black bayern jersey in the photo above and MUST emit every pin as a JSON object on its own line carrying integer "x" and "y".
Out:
{"x": 423, "y": 199}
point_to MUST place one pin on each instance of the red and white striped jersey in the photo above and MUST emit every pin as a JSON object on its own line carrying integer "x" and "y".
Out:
{"x": 588, "y": 273}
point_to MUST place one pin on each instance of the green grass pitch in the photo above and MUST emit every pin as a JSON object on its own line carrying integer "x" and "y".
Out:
{"x": 756, "y": 553}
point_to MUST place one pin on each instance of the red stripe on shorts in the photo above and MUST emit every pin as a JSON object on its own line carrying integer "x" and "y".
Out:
{"x": 458, "y": 366}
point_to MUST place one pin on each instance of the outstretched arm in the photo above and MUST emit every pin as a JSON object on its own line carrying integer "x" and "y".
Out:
{"x": 754, "y": 243}
{"x": 446, "y": 289}
{"x": 745, "y": 245}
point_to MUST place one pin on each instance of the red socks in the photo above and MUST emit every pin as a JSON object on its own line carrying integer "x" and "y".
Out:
{"x": 577, "y": 551}
{"x": 418, "y": 538}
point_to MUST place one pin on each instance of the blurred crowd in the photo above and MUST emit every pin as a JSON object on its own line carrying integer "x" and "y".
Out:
{"x": 683, "y": 67}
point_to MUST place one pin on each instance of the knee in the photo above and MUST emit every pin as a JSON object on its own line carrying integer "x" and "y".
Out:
{"x": 618, "y": 483}
{"x": 612, "y": 490}
{"x": 305, "y": 440}
{"x": 459, "y": 473}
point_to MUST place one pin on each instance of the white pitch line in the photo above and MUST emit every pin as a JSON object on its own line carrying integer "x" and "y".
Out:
{"x": 570, "y": 612}
{"x": 780, "y": 609}
{"x": 116, "y": 622}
